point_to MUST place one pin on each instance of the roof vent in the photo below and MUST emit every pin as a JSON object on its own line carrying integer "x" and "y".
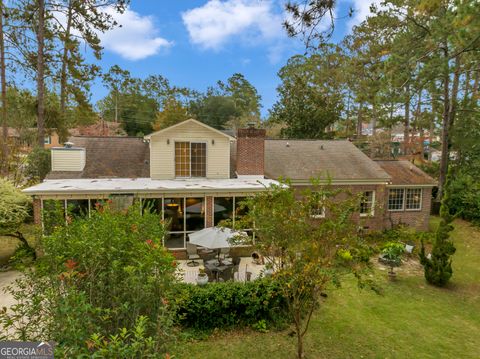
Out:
{"x": 68, "y": 144}
{"x": 288, "y": 145}
{"x": 321, "y": 147}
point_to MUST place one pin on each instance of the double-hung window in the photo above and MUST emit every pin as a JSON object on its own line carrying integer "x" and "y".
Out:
{"x": 190, "y": 159}
{"x": 413, "y": 199}
{"x": 409, "y": 199}
{"x": 367, "y": 204}
{"x": 318, "y": 209}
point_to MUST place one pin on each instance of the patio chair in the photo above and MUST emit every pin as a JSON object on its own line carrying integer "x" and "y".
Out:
{"x": 226, "y": 274}
{"x": 236, "y": 261}
{"x": 224, "y": 253}
{"x": 192, "y": 255}
{"x": 211, "y": 276}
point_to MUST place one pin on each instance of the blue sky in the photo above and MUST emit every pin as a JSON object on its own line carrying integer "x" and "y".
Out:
{"x": 195, "y": 43}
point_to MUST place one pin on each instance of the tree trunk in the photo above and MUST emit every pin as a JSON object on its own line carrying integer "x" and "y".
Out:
{"x": 374, "y": 118}
{"x": 406, "y": 121}
{"x": 3, "y": 81}
{"x": 359, "y": 120}
{"x": 41, "y": 74}
{"x": 298, "y": 329}
{"x": 63, "y": 74}
{"x": 449, "y": 108}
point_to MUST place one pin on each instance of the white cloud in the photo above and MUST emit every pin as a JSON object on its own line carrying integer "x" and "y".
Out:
{"x": 253, "y": 22}
{"x": 136, "y": 39}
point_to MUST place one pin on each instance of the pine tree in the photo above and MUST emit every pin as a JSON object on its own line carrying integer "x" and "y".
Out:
{"x": 438, "y": 268}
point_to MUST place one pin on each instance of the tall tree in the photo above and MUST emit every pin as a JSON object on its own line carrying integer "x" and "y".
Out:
{"x": 83, "y": 21}
{"x": 309, "y": 103}
{"x": 40, "y": 32}
{"x": 3, "y": 86}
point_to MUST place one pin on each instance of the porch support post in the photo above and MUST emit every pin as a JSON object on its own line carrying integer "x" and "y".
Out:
{"x": 208, "y": 211}
{"x": 37, "y": 211}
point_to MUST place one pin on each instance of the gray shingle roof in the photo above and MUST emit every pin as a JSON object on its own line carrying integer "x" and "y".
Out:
{"x": 406, "y": 173}
{"x": 110, "y": 157}
{"x": 305, "y": 159}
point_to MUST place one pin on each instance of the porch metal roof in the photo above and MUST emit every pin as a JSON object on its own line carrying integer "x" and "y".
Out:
{"x": 148, "y": 185}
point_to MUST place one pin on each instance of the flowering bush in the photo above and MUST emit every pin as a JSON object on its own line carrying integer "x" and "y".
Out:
{"x": 98, "y": 275}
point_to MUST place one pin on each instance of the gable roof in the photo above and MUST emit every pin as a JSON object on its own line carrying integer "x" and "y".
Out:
{"x": 300, "y": 160}
{"x": 187, "y": 122}
{"x": 110, "y": 157}
{"x": 405, "y": 173}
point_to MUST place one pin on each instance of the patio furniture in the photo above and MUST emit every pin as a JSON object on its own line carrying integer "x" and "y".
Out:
{"x": 207, "y": 254}
{"x": 226, "y": 274}
{"x": 212, "y": 262}
{"x": 211, "y": 275}
{"x": 192, "y": 255}
{"x": 236, "y": 260}
{"x": 214, "y": 237}
{"x": 224, "y": 253}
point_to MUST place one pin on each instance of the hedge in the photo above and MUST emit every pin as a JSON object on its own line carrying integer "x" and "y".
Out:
{"x": 229, "y": 304}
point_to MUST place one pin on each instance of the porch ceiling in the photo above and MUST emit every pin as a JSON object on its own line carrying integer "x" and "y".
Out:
{"x": 147, "y": 185}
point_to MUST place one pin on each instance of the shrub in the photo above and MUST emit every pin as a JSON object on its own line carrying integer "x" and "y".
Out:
{"x": 465, "y": 197}
{"x": 438, "y": 267}
{"x": 223, "y": 305}
{"x": 98, "y": 275}
{"x": 38, "y": 164}
{"x": 392, "y": 252}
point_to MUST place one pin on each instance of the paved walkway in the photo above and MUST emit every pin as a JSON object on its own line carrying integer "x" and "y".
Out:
{"x": 7, "y": 278}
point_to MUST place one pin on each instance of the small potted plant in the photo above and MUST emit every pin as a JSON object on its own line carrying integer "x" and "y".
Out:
{"x": 392, "y": 256}
{"x": 202, "y": 278}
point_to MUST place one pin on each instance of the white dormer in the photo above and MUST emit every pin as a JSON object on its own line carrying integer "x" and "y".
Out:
{"x": 189, "y": 149}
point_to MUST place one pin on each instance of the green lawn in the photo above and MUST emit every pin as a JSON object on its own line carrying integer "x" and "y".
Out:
{"x": 410, "y": 320}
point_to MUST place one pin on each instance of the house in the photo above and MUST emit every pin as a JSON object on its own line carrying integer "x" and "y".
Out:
{"x": 26, "y": 137}
{"x": 99, "y": 128}
{"x": 195, "y": 176}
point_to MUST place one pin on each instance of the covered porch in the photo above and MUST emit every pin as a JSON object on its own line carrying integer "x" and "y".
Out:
{"x": 188, "y": 205}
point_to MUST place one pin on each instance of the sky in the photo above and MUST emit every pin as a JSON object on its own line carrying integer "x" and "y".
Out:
{"x": 195, "y": 43}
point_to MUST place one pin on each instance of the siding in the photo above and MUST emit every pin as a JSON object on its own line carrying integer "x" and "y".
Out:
{"x": 162, "y": 155}
{"x": 68, "y": 159}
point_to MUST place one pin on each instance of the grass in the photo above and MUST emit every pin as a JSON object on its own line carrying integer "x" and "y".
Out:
{"x": 410, "y": 320}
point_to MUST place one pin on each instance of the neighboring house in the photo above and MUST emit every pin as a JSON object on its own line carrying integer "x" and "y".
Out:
{"x": 195, "y": 176}
{"x": 25, "y": 138}
{"x": 100, "y": 128}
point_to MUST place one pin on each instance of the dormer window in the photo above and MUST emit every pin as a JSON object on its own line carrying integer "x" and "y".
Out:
{"x": 190, "y": 159}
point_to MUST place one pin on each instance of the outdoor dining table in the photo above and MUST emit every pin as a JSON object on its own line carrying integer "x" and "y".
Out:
{"x": 217, "y": 267}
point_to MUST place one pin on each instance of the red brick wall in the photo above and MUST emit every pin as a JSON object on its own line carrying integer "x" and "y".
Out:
{"x": 382, "y": 218}
{"x": 37, "y": 211}
{"x": 417, "y": 219}
{"x": 209, "y": 211}
{"x": 250, "y": 151}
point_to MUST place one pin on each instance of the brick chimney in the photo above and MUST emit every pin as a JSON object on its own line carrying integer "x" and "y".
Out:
{"x": 250, "y": 151}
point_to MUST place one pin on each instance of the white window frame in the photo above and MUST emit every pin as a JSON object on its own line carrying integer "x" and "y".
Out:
{"x": 421, "y": 199}
{"x": 190, "y": 158}
{"x": 403, "y": 200}
{"x": 47, "y": 140}
{"x": 315, "y": 215}
{"x": 371, "y": 213}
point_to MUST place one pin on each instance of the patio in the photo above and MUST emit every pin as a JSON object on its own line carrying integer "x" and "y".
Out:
{"x": 189, "y": 274}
